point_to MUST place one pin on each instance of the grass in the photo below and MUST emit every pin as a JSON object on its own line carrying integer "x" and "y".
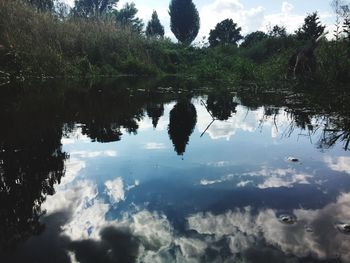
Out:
{"x": 36, "y": 43}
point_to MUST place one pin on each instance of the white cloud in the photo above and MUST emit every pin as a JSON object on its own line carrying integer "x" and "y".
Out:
{"x": 243, "y": 229}
{"x": 115, "y": 190}
{"x": 222, "y": 179}
{"x": 243, "y": 120}
{"x": 287, "y": 7}
{"x": 339, "y": 164}
{"x": 244, "y": 183}
{"x": 218, "y": 10}
{"x": 154, "y": 146}
{"x": 275, "y": 181}
{"x": 94, "y": 154}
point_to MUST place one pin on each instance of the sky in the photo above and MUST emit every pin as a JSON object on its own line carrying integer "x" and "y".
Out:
{"x": 251, "y": 15}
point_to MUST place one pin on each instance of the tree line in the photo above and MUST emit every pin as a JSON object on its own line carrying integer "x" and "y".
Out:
{"x": 185, "y": 21}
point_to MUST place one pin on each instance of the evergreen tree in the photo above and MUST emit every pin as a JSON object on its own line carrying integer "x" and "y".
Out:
{"x": 127, "y": 17}
{"x": 183, "y": 119}
{"x": 154, "y": 27}
{"x": 93, "y": 8}
{"x": 253, "y": 38}
{"x": 184, "y": 20}
{"x": 225, "y": 32}
{"x": 311, "y": 29}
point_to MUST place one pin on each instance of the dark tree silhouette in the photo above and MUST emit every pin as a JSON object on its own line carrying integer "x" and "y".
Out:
{"x": 154, "y": 27}
{"x": 127, "y": 17}
{"x": 93, "y": 8}
{"x": 225, "y": 32}
{"x": 184, "y": 20}
{"x": 311, "y": 29}
{"x": 221, "y": 105}
{"x": 253, "y": 38}
{"x": 277, "y": 31}
{"x": 183, "y": 119}
{"x": 31, "y": 163}
{"x": 155, "y": 111}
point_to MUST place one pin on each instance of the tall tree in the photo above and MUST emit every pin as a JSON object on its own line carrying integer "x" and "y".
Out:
{"x": 183, "y": 119}
{"x": 93, "y": 8}
{"x": 311, "y": 29}
{"x": 253, "y": 38}
{"x": 225, "y": 32}
{"x": 184, "y": 20}
{"x": 277, "y": 31}
{"x": 154, "y": 27}
{"x": 127, "y": 17}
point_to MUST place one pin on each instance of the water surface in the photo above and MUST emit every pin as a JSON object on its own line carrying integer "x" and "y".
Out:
{"x": 147, "y": 171}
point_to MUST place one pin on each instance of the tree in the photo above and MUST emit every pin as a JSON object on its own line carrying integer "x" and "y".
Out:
{"x": 127, "y": 17}
{"x": 184, "y": 20}
{"x": 221, "y": 105}
{"x": 93, "y": 8}
{"x": 154, "y": 27}
{"x": 346, "y": 28}
{"x": 42, "y": 5}
{"x": 311, "y": 29}
{"x": 183, "y": 119}
{"x": 225, "y": 32}
{"x": 277, "y": 31}
{"x": 253, "y": 38}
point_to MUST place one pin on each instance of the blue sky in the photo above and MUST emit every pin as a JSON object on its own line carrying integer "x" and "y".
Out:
{"x": 251, "y": 15}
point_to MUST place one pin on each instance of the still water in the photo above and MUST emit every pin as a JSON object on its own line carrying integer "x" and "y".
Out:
{"x": 147, "y": 171}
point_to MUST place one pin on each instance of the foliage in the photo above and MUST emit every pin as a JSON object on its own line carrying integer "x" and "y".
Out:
{"x": 253, "y": 38}
{"x": 311, "y": 29}
{"x": 277, "y": 31}
{"x": 346, "y": 28}
{"x": 93, "y": 8}
{"x": 225, "y": 32}
{"x": 184, "y": 20}
{"x": 154, "y": 27}
{"x": 126, "y": 17}
{"x": 42, "y": 5}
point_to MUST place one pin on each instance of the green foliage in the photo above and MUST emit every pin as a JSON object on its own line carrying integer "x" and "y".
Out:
{"x": 253, "y": 38}
{"x": 93, "y": 8}
{"x": 311, "y": 29}
{"x": 126, "y": 17}
{"x": 154, "y": 27}
{"x": 225, "y": 32}
{"x": 45, "y": 44}
{"x": 184, "y": 20}
{"x": 42, "y": 5}
{"x": 277, "y": 31}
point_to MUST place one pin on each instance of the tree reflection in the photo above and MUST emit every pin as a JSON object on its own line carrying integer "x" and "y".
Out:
{"x": 221, "y": 105}
{"x": 31, "y": 163}
{"x": 183, "y": 119}
{"x": 155, "y": 111}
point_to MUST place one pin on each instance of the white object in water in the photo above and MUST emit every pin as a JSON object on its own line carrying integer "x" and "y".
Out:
{"x": 292, "y": 159}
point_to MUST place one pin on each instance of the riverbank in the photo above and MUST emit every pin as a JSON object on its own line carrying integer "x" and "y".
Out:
{"x": 42, "y": 45}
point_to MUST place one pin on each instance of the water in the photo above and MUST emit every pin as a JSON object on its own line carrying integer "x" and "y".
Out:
{"x": 146, "y": 171}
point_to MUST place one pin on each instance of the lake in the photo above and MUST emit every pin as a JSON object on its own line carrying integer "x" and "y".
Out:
{"x": 142, "y": 170}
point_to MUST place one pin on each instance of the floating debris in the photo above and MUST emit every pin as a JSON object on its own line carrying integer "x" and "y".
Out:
{"x": 292, "y": 159}
{"x": 287, "y": 219}
{"x": 343, "y": 228}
